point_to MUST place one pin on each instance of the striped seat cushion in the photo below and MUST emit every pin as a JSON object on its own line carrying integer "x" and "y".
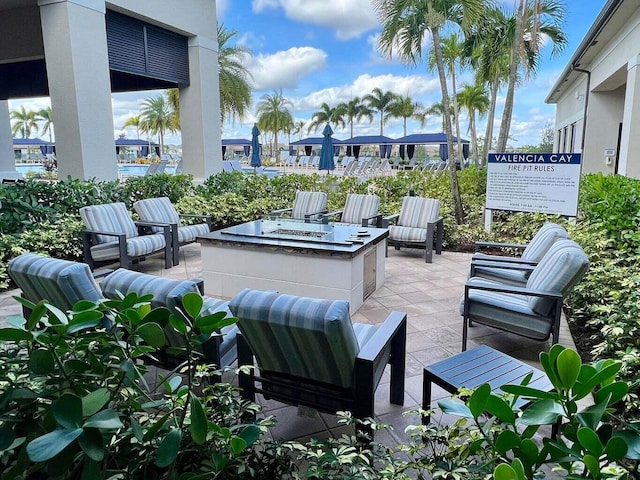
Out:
{"x": 189, "y": 233}
{"x": 418, "y": 211}
{"x": 359, "y": 206}
{"x": 407, "y": 234}
{"x": 307, "y": 203}
{"x": 228, "y": 351}
{"x": 506, "y": 311}
{"x": 61, "y": 282}
{"x": 542, "y": 241}
{"x": 159, "y": 210}
{"x": 559, "y": 270}
{"x": 110, "y": 217}
{"x": 136, "y": 247}
{"x": 502, "y": 275}
{"x": 304, "y": 337}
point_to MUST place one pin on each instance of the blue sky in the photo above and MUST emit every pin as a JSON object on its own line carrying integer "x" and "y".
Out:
{"x": 324, "y": 51}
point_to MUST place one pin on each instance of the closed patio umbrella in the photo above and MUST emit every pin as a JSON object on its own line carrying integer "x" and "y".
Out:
{"x": 326, "y": 152}
{"x": 255, "y": 147}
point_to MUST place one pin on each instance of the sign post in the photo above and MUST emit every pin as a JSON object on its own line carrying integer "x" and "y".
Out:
{"x": 534, "y": 182}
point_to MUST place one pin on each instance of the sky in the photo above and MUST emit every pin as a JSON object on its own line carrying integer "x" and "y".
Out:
{"x": 319, "y": 51}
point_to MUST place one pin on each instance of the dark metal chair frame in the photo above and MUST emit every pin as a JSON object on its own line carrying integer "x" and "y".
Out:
{"x": 435, "y": 232}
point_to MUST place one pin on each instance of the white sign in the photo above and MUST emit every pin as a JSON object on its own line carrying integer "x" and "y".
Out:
{"x": 534, "y": 182}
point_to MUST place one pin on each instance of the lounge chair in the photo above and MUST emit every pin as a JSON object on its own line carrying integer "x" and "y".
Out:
{"x": 418, "y": 225}
{"x": 306, "y": 206}
{"x": 533, "y": 310}
{"x": 358, "y": 209}
{"x": 310, "y": 353}
{"x": 112, "y": 235}
{"x": 161, "y": 210}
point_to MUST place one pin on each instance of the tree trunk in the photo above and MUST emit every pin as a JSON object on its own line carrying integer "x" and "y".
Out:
{"x": 505, "y": 125}
{"x": 474, "y": 135}
{"x": 488, "y": 137}
{"x": 456, "y": 113}
{"x": 455, "y": 190}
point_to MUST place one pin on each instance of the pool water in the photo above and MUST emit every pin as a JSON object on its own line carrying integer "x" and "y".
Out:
{"x": 124, "y": 169}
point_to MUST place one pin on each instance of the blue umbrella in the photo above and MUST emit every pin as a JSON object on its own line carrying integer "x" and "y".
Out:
{"x": 255, "y": 147}
{"x": 326, "y": 152}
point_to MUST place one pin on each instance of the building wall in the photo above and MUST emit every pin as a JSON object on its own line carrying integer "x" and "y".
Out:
{"x": 603, "y": 121}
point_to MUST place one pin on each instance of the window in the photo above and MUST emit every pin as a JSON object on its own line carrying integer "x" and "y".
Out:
{"x": 572, "y": 137}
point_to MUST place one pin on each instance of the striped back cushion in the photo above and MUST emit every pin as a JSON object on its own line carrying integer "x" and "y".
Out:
{"x": 109, "y": 217}
{"x": 157, "y": 210}
{"x": 559, "y": 270}
{"x": 360, "y": 206}
{"x": 61, "y": 282}
{"x": 308, "y": 202}
{"x": 418, "y": 211}
{"x": 542, "y": 241}
{"x": 306, "y": 337}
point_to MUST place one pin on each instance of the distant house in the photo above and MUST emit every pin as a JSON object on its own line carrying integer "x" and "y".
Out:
{"x": 598, "y": 94}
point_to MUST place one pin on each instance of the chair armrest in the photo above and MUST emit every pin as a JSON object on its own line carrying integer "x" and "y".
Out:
{"x": 480, "y": 245}
{"x": 502, "y": 260}
{"x": 493, "y": 287}
{"x": 389, "y": 218}
{"x": 281, "y": 211}
{"x": 500, "y": 265}
{"x": 333, "y": 214}
{"x": 141, "y": 223}
{"x": 207, "y": 218}
{"x": 309, "y": 216}
{"x": 378, "y": 221}
{"x": 110, "y": 234}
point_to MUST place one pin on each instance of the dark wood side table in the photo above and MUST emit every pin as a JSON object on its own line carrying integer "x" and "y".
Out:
{"x": 472, "y": 368}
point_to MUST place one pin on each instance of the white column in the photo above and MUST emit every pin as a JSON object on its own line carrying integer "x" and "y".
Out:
{"x": 75, "y": 44}
{"x": 200, "y": 111}
{"x": 7, "y": 161}
{"x": 629, "y": 165}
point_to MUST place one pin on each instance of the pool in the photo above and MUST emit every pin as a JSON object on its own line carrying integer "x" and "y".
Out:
{"x": 124, "y": 169}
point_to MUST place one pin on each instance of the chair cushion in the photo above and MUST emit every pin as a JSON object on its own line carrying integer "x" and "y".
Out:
{"x": 157, "y": 210}
{"x": 228, "y": 351}
{"x": 61, "y": 282}
{"x": 304, "y": 337}
{"x": 559, "y": 270}
{"x": 359, "y": 206}
{"x": 418, "y": 211}
{"x": 136, "y": 247}
{"x": 506, "y": 311}
{"x": 542, "y": 241}
{"x": 502, "y": 275}
{"x": 189, "y": 233}
{"x": 407, "y": 234}
{"x": 109, "y": 217}
{"x": 307, "y": 203}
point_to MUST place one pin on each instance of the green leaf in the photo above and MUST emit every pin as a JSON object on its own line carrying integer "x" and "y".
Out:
{"x": 590, "y": 441}
{"x": 198, "y": 419}
{"x": 93, "y": 402}
{"x": 504, "y": 472}
{"x": 542, "y": 412}
{"x": 48, "y": 446}
{"x": 616, "y": 390}
{"x": 91, "y": 443}
{"x": 632, "y": 439}
{"x": 214, "y": 322}
{"x": 178, "y": 324}
{"x": 106, "y": 419}
{"x": 192, "y": 303}
{"x": 507, "y": 440}
{"x": 568, "y": 365}
{"x": 615, "y": 449}
{"x": 37, "y": 312}
{"x": 67, "y": 411}
{"x": 7, "y": 436}
{"x": 84, "y": 305}
{"x": 592, "y": 415}
{"x": 91, "y": 471}
{"x": 58, "y": 315}
{"x": 41, "y": 362}
{"x": 548, "y": 361}
{"x": 478, "y": 400}
{"x": 250, "y": 434}
{"x": 529, "y": 392}
{"x": 14, "y": 335}
{"x": 158, "y": 315}
{"x": 152, "y": 333}
{"x": 528, "y": 453}
{"x": 592, "y": 464}
{"x": 602, "y": 376}
{"x": 455, "y": 407}
{"x": 168, "y": 448}
{"x": 498, "y": 407}
{"x": 238, "y": 445}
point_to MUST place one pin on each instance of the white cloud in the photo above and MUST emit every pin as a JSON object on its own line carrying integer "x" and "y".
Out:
{"x": 221, "y": 8}
{"x": 286, "y": 68}
{"x": 377, "y": 57}
{"x": 348, "y": 18}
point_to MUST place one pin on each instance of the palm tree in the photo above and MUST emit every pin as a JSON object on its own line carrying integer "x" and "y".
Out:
{"x": 45, "y": 115}
{"x": 452, "y": 50}
{"x": 405, "y": 108}
{"x": 273, "y": 115}
{"x": 534, "y": 21}
{"x": 298, "y": 128}
{"x": 173, "y": 98}
{"x": 474, "y": 99}
{"x": 325, "y": 115}
{"x": 25, "y": 122}
{"x": 352, "y": 110}
{"x": 157, "y": 117}
{"x": 404, "y": 26}
{"x": 235, "y": 90}
{"x": 379, "y": 101}
{"x": 134, "y": 121}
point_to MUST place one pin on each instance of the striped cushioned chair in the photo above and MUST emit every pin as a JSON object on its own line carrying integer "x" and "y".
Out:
{"x": 359, "y": 210}
{"x": 306, "y": 206}
{"x": 309, "y": 353}
{"x": 418, "y": 225}
{"x": 534, "y": 310}
{"x": 516, "y": 270}
{"x": 219, "y": 350}
{"x": 161, "y": 210}
{"x": 111, "y": 235}
{"x": 60, "y": 282}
